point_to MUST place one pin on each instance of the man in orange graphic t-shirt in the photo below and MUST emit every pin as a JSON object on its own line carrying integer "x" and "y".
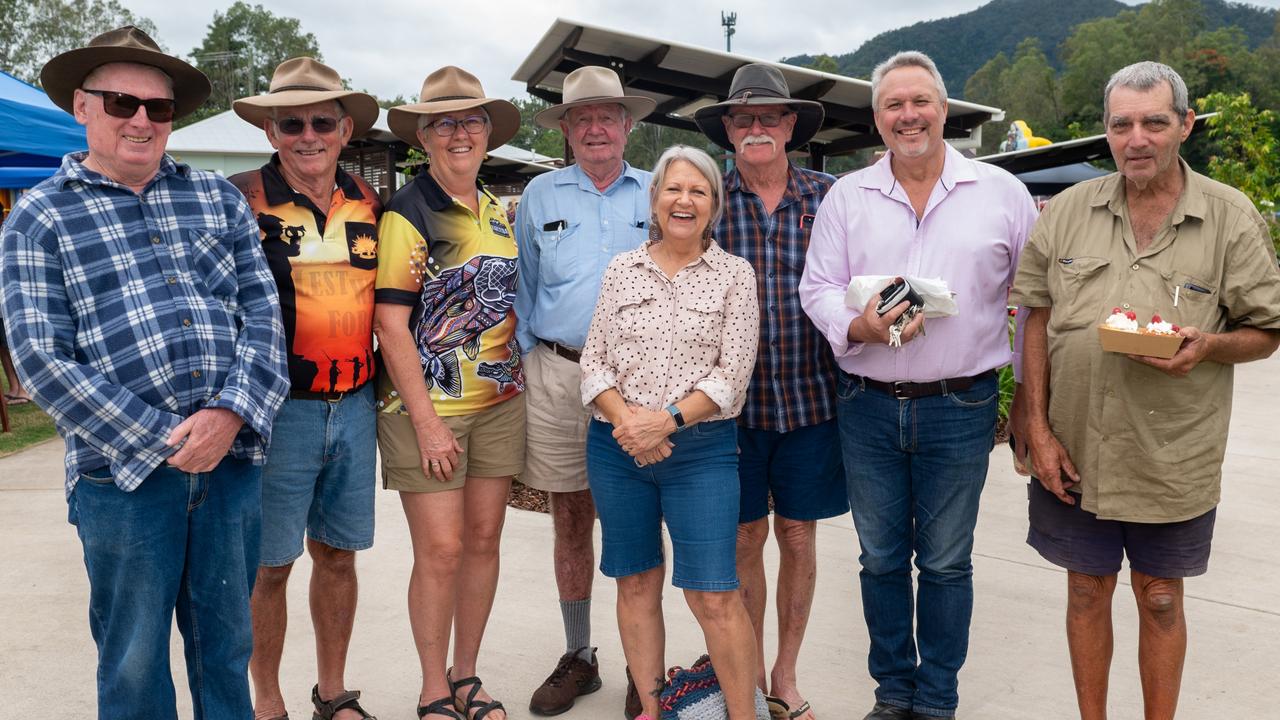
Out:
{"x": 319, "y": 231}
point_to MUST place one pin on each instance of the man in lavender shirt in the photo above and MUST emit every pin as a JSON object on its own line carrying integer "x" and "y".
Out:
{"x": 917, "y": 421}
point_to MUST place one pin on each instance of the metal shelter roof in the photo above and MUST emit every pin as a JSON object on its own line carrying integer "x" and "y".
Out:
{"x": 683, "y": 78}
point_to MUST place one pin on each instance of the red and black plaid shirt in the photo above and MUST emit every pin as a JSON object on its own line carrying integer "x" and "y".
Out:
{"x": 794, "y": 382}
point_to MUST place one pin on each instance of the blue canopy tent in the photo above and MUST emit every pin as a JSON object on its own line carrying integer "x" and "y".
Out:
{"x": 34, "y": 134}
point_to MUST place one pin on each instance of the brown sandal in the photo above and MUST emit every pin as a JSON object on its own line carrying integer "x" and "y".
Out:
{"x": 326, "y": 709}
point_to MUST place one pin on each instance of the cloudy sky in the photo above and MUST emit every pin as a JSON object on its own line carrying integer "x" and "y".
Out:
{"x": 391, "y": 48}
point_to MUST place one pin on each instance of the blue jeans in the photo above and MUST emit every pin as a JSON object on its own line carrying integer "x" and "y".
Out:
{"x": 695, "y": 491}
{"x": 320, "y": 476}
{"x": 915, "y": 471}
{"x": 184, "y": 542}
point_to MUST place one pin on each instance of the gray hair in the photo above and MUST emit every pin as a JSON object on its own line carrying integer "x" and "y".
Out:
{"x": 906, "y": 58}
{"x": 701, "y": 161}
{"x": 1144, "y": 76}
{"x": 426, "y": 119}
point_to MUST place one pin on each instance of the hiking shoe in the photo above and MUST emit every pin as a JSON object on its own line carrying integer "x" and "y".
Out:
{"x": 572, "y": 677}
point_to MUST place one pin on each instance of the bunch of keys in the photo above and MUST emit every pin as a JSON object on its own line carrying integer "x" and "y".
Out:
{"x": 895, "y": 330}
{"x": 898, "y": 291}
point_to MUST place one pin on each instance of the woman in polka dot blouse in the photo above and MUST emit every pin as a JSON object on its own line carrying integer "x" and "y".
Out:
{"x": 665, "y": 370}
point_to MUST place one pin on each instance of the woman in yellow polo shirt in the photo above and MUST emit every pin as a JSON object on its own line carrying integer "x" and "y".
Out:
{"x": 451, "y": 404}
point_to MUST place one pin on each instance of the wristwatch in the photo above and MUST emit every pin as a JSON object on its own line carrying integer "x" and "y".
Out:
{"x": 677, "y": 416}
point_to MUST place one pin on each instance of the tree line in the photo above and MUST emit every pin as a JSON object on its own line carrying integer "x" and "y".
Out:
{"x": 1223, "y": 71}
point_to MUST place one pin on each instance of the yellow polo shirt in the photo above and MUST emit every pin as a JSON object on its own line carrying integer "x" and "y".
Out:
{"x": 457, "y": 270}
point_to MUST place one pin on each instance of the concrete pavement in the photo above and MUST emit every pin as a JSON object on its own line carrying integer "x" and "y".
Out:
{"x": 1017, "y": 665}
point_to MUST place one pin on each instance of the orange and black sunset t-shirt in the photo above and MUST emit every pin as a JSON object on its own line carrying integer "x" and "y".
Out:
{"x": 325, "y": 262}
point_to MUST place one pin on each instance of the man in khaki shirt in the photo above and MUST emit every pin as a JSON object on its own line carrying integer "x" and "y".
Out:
{"x": 1128, "y": 450}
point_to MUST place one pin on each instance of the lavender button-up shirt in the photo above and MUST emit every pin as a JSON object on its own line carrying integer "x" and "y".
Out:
{"x": 971, "y": 234}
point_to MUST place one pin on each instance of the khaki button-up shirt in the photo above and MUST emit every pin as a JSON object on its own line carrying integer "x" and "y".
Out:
{"x": 1148, "y": 447}
{"x": 657, "y": 339}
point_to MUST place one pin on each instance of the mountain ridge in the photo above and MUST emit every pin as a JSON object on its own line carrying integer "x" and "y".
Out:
{"x": 999, "y": 25}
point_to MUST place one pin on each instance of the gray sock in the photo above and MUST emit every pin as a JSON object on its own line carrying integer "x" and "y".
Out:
{"x": 577, "y": 626}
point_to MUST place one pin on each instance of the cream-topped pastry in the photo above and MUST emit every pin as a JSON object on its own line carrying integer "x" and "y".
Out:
{"x": 1121, "y": 320}
{"x": 1161, "y": 327}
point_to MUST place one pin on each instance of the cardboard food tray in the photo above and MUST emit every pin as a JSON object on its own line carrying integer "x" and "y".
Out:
{"x": 1129, "y": 343}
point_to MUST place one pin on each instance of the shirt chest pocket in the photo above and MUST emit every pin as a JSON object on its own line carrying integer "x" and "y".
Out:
{"x": 1078, "y": 288}
{"x": 701, "y": 319}
{"x": 212, "y": 263}
{"x": 638, "y": 316}
{"x": 1197, "y": 302}
{"x": 560, "y": 254}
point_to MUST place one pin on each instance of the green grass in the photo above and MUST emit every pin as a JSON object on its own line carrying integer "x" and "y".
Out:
{"x": 28, "y": 425}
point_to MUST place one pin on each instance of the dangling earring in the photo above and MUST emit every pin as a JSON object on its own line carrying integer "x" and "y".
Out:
{"x": 655, "y": 232}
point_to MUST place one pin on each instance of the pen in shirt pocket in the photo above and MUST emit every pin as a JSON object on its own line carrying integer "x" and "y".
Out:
{"x": 1190, "y": 286}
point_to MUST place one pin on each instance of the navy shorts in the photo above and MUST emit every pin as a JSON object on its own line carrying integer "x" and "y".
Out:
{"x": 1073, "y": 538}
{"x": 803, "y": 469}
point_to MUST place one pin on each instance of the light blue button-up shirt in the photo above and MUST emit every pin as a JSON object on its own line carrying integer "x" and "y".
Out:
{"x": 567, "y": 231}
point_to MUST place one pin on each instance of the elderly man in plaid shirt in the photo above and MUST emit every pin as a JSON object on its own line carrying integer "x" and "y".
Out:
{"x": 144, "y": 320}
{"x": 787, "y": 434}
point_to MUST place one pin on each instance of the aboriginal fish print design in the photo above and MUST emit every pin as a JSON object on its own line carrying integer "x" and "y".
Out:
{"x": 455, "y": 310}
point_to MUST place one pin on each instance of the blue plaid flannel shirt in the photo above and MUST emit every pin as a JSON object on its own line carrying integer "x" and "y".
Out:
{"x": 126, "y": 313}
{"x": 794, "y": 381}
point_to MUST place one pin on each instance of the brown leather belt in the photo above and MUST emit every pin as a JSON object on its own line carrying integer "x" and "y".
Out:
{"x": 567, "y": 353}
{"x": 913, "y": 390}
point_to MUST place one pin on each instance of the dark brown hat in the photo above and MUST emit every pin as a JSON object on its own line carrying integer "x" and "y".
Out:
{"x": 303, "y": 81}
{"x": 760, "y": 84}
{"x": 62, "y": 75}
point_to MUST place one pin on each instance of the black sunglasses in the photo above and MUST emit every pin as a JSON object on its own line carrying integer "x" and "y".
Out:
{"x": 124, "y": 105}
{"x": 767, "y": 119}
{"x": 322, "y": 124}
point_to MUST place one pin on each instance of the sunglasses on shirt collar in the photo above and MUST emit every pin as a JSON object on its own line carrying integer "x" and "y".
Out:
{"x": 321, "y": 124}
{"x": 124, "y": 105}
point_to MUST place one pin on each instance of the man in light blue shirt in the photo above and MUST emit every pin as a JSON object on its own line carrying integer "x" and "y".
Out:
{"x": 569, "y": 225}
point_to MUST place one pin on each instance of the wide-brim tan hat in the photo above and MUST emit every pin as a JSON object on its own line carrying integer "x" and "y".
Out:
{"x": 64, "y": 74}
{"x": 761, "y": 84}
{"x": 593, "y": 85}
{"x": 304, "y": 81}
{"x": 452, "y": 89}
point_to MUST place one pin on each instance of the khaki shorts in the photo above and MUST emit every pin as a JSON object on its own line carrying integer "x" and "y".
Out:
{"x": 557, "y": 423}
{"x": 495, "y": 434}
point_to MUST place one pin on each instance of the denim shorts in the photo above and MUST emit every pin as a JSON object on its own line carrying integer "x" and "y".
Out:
{"x": 695, "y": 491}
{"x": 802, "y": 470}
{"x": 320, "y": 476}
{"x": 1074, "y": 538}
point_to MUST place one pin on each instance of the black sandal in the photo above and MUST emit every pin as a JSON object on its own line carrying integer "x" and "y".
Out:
{"x": 325, "y": 710}
{"x": 466, "y": 707}
{"x": 443, "y": 706}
